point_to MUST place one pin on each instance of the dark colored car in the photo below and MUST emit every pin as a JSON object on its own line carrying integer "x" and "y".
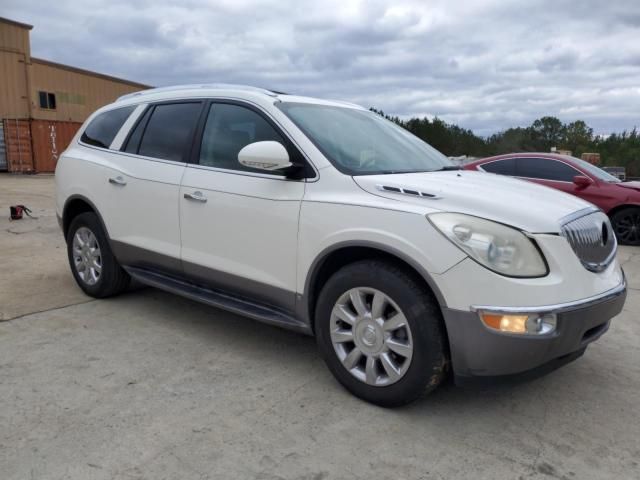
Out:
{"x": 619, "y": 200}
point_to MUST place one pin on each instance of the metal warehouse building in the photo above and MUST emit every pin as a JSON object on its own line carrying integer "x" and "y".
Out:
{"x": 42, "y": 103}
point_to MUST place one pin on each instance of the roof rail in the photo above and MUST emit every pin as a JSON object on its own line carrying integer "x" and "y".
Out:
{"x": 219, "y": 86}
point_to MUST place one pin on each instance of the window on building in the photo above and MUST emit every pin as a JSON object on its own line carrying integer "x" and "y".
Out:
{"x": 104, "y": 128}
{"x": 47, "y": 100}
{"x": 168, "y": 132}
{"x": 229, "y": 128}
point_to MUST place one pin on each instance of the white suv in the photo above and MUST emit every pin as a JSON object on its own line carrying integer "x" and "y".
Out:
{"x": 325, "y": 218}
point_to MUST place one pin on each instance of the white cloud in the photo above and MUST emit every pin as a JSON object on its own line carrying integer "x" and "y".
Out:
{"x": 486, "y": 65}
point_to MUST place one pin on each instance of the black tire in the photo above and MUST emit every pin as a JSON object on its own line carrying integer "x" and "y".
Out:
{"x": 626, "y": 225}
{"x": 429, "y": 360}
{"x": 113, "y": 279}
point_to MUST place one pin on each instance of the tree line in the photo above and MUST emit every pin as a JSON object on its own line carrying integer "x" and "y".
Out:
{"x": 617, "y": 149}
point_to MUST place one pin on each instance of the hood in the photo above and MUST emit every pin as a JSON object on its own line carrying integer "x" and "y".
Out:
{"x": 525, "y": 205}
{"x": 632, "y": 185}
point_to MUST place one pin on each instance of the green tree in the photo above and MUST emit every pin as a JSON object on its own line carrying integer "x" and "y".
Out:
{"x": 547, "y": 132}
{"x": 578, "y": 137}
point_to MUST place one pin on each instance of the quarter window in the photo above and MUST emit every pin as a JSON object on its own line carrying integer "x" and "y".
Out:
{"x": 165, "y": 131}
{"x": 103, "y": 129}
{"x": 501, "y": 167}
{"x": 545, "y": 169}
{"x": 228, "y": 129}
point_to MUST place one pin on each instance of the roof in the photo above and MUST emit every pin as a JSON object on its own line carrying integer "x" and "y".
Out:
{"x": 555, "y": 156}
{"x": 88, "y": 72}
{"x": 223, "y": 89}
{"x": 16, "y": 24}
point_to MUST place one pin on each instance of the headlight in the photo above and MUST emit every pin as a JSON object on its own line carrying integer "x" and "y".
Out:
{"x": 502, "y": 249}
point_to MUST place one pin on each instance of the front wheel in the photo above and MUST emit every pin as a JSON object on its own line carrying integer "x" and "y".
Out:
{"x": 626, "y": 225}
{"x": 381, "y": 333}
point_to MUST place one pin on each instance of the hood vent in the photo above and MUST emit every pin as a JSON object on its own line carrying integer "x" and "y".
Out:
{"x": 407, "y": 191}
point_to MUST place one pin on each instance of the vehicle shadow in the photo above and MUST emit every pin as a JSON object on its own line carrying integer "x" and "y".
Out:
{"x": 298, "y": 355}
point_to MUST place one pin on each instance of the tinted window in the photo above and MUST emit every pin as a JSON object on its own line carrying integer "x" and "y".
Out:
{"x": 103, "y": 129}
{"x": 133, "y": 143}
{"x": 501, "y": 167}
{"x": 228, "y": 129}
{"x": 545, "y": 169}
{"x": 168, "y": 132}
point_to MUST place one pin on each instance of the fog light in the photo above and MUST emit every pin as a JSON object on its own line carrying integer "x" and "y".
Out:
{"x": 526, "y": 324}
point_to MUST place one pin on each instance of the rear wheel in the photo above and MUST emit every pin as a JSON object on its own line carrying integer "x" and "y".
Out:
{"x": 626, "y": 225}
{"x": 92, "y": 263}
{"x": 381, "y": 333}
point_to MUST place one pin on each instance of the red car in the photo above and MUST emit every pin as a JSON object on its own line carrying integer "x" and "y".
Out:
{"x": 620, "y": 200}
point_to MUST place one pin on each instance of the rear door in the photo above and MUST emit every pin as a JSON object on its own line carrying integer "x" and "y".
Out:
{"x": 240, "y": 225}
{"x": 143, "y": 179}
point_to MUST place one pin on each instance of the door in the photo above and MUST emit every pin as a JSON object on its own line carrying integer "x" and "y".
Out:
{"x": 3, "y": 152}
{"x": 239, "y": 225}
{"x": 144, "y": 186}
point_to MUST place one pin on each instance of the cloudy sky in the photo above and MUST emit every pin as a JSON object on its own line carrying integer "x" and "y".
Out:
{"x": 483, "y": 64}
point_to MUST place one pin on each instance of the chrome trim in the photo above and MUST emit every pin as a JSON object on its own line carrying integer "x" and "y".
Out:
{"x": 577, "y": 214}
{"x": 586, "y": 238}
{"x": 560, "y": 307}
{"x": 403, "y": 191}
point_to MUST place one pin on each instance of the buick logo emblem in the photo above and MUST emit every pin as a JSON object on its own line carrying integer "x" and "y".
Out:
{"x": 605, "y": 234}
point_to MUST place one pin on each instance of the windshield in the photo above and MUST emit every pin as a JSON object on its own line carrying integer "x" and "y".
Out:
{"x": 596, "y": 171}
{"x": 359, "y": 142}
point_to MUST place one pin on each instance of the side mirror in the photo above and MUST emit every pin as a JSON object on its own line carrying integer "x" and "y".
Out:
{"x": 582, "y": 181}
{"x": 265, "y": 156}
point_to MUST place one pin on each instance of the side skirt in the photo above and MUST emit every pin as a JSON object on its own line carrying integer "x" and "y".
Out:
{"x": 241, "y": 306}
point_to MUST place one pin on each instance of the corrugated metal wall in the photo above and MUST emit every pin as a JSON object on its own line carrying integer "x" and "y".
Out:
{"x": 35, "y": 146}
{"x": 78, "y": 93}
{"x": 17, "y": 134}
{"x": 14, "y": 95}
{"x": 3, "y": 152}
{"x": 49, "y": 140}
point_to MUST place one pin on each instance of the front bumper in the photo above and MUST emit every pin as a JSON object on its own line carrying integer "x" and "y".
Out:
{"x": 480, "y": 353}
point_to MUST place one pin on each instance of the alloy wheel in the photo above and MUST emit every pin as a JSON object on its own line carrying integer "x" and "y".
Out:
{"x": 371, "y": 336}
{"x": 87, "y": 258}
{"x": 627, "y": 227}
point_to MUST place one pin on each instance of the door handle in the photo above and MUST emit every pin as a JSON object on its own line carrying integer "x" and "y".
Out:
{"x": 117, "y": 181}
{"x": 196, "y": 196}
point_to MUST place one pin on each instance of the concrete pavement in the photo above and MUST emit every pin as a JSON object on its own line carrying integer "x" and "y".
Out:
{"x": 152, "y": 386}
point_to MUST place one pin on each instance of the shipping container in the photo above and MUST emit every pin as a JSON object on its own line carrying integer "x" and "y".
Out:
{"x": 17, "y": 135}
{"x": 49, "y": 139}
{"x": 592, "y": 158}
{"x": 3, "y": 152}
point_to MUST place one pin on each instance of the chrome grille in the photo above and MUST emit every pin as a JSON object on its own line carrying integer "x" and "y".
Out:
{"x": 591, "y": 238}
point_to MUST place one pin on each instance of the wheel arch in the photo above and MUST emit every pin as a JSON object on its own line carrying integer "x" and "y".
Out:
{"x": 337, "y": 256}
{"x": 618, "y": 208}
{"x": 74, "y": 206}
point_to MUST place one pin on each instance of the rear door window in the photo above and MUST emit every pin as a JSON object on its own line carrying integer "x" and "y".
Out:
{"x": 104, "y": 128}
{"x": 545, "y": 169}
{"x": 501, "y": 167}
{"x": 165, "y": 131}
